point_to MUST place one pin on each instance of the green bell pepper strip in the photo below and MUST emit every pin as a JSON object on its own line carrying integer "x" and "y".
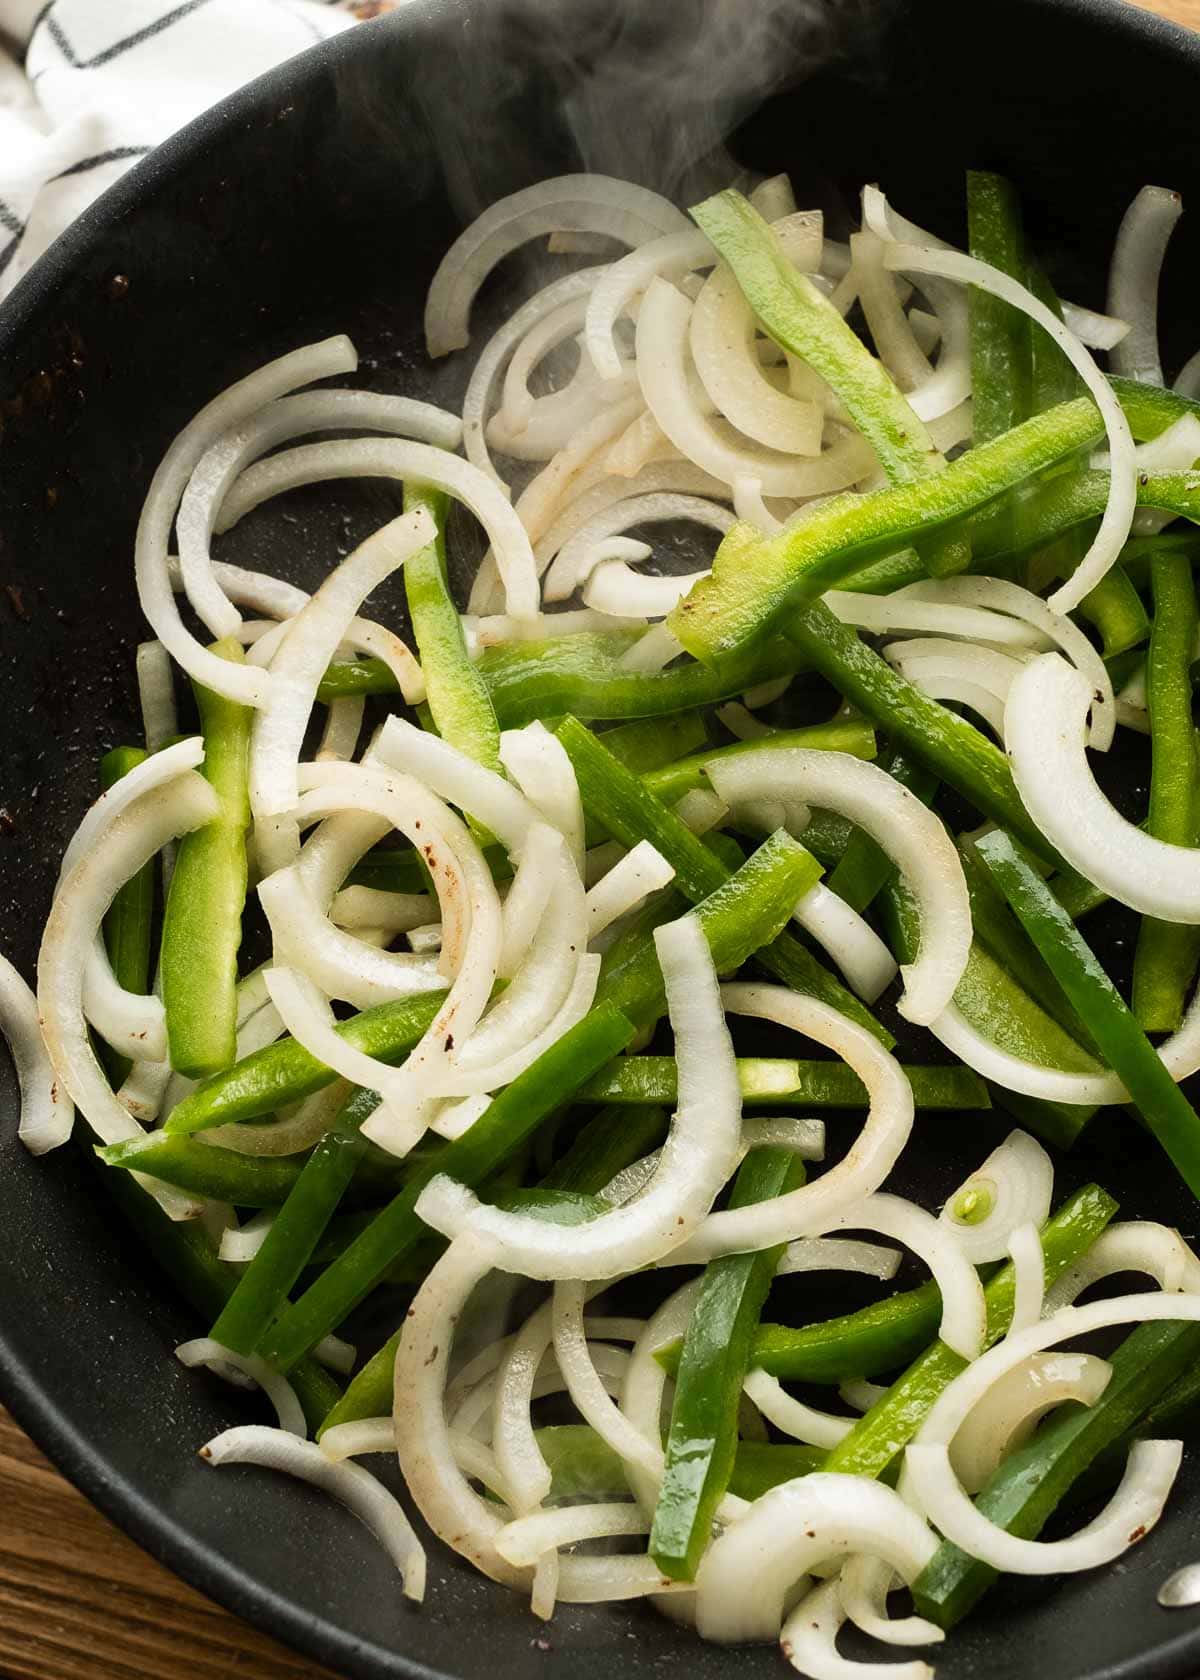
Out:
{"x": 581, "y": 1465}
{"x": 611, "y": 1141}
{"x": 896, "y": 1416}
{"x": 1068, "y": 499}
{"x": 456, "y": 693}
{"x": 284, "y": 1072}
{"x": 129, "y": 918}
{"x": 630, "y": 812}
{"x": 812, "y": 1084}
{"x": 702, "y": 1438}
{"x": 512, "y": 1117}
{"x": 928, "y": 733}
{"x": 1024, "y": 1491}
{"x": 202, "y": 923}
{"x": 1150, "y": 409}
{"x": 847, "y": 735}
{"x": 226, "y": 1175}
{"x": 864, "y": 868}
{"x": 1163, "y": 1106}
{"x": 757, "y": 582}
{"x": 647, "y": 745}
{"x": 185, "y": 1253}
{"x": 1077, "y": 896}
{"x": 267, "y": 1281}
{"x": 743, "y": 914}
{"x": 1000, "y": 338}
{"x": 762, "y": 1465}
{"x": 583, "y": 674}
{"x": 1165, "y": 960}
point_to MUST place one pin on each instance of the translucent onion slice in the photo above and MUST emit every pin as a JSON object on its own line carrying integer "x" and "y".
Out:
{"x": 343, "y": 726}
{"x": 886, "y": 321}
{"x": 518, "y": 403}
{"x": 240, "y": 1243}
{"x": 746, "y": 1575}
{"x": 223, "y": 1362}
{"x": 864, "y": 1584}
{"x": 662, "y": 359}
{"x": 526, "y": 1539}
{"x": 538, "y": 762}
{"x": 575, "y": 559}
{"x": 275, "y": 1449}
{"x": 156, "y": 695}
{"x": 397, "y": 458}
{"x": 358, "y": 1439}
{"x": 654, "y": 652}
{"x": 299, "y": 666}
{"x": 556, "y": 419}
{"x": 997, "y": 596}
{"x": 911, "y": 610}
{"x": 839, "y": 1254}
{"x": 1031, "y": 1079}
{"x": 675, "y": 477}
{"x": 1029, "y": 1276}
{"x": 815, "y": 1208}
{"x": 1045, "y": 726}
{"x": 809, "y": 1642}
{"x": 532, "y": 884}
{"x": 568, "y": 203}
{"x": 369, "y": 907}
{"x": 697, "y": 1158}
{"x": 670, "y": 257}
{"x": 792, "y": 1416}
{"x": 1137, "y": 260}
{"x": 910, "y": 834}
{"x": 1132, "y": 1245}
{"x": 1013, "y": 1407}
{"x": 1121, "y": 504}
{"x": 722, "y": 338}
{"x": 1013, "y": 1187}
{"x": 627, "y": 885}
{"x": 863, "y": 958}
{"x": 615, "y": 588}
{"x": 491, "y": 800}
{"x": 237, "y": 682}
{"x": 47, "y": 1113}
{"x": 1134, "y": 1508}
{"x": 120, "y": 848}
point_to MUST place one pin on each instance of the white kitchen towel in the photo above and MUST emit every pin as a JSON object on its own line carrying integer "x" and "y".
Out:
{"x": 87, "y": 87}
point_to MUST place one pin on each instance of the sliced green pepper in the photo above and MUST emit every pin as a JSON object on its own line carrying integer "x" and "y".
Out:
{"x": 810, "y": 1084}
{"x": 129, "y": 918}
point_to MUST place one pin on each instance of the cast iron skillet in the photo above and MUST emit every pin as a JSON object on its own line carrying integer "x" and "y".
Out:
{"x": 318, "y": 200}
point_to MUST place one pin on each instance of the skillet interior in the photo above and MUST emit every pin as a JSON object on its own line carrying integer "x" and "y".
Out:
{"x": 316, "y": 202}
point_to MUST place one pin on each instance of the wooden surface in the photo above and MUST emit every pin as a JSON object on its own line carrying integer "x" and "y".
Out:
{"x": 78, "y": 1600}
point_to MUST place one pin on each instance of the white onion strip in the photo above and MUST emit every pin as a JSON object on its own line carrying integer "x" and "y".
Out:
{"x": 47, "y": 1113}
{"x": 275, "y": 1449}
{"x": 809, "y": 1642}
{"x": 1013, "y": 1407}
{"x": 223, "y": 1362}
{"x": 1132, "y": 1245}
{"x": 853, "y": 944}
{"x": 1122, "y": 497}
{"x": 565, "y": 204}
{"x": 906, "y": 830}
{"x": 697, "y": 1157}
{"x": 628, "y": 884}
{"x": 1045, "y": 726}
{"x": 792, "y": 1416}
{"x": 1137, "y": 259}
{"x": 579, "y": 555}
{"x": 526, "y": 1539}
{"x": 1011, "y": 1188}
{"x": 669, "y": 257}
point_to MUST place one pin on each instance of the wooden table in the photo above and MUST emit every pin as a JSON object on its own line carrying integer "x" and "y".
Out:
{"x": 77, "y": 1599}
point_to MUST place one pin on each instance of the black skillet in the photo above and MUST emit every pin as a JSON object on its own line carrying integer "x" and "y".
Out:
{"x": 318, "y": 200}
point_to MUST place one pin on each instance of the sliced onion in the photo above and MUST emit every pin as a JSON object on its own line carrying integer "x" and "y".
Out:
{"x": 481, "y": 1064}
{"x": 300, "y": 665}
{"x": 358, "y": 1438}
{"x": 805, "y": 1138}
{"x": 931, "y": 612}
{"x": 999, "y": 596}
{"x": 343, "y": 725}
{"x": 1187, "y": 380}
{"x": 745, "y": 1577}
{"x": 120, "y": 848}
{"x": 742, "y": 723}
{"x": 575, "y": 1361}
{"x": 341, "y": 964}
{"x": 1137, "y": 259}
{"x": 662, "y": 343}
{"x": 1045, "y": 729}
{"x": 814, "y": 1208}
{"x": 1122, "y": 500}
{"x": 452, "y": 775}
{"x": 1133, "y": 1245}
{"x": 1013, "y": 1407}
{"x": 518, "y": 403}
{"x": 864, "y": 1584}
{"x": 673, "y": 477}
{"x": 1029, "y": 1276}
{"x": 526, "y": 1539}
{"x": 393, "y": 458}
{"x": 557, "y": 419}
{"x": 640, "y": 872}
{"x": 642, "y": 444}
{"x": 223, "y": 1362}
{"x": 646, "y": 1381}
{"x": 237, "y": 682}
{"x": 240, "y": 1243}
{"x": 970, "y": 677}
{"x": 274, "y": 1449}
{"x": 480, "y": 389}
{"x": 886, "y": 321}
{"x": 571, "y": 566}
{"x": 670, "y": 257}
{"x": 357, "y": 908}
{"x": 1133, "y": 1509}
{"x": 853, "y": 944}
{"x": 697, "y": 1157}
{"x": 1031, "y": 1079}
{"x": 614, "y": 587}
{"x": 1012, "y": 1188}
{"x": 809, "y": 1642}
{"x": 722, "y": 340}
{"x": 568, "y": 203}
{"x": 537, "y": 761}
{"x": 792, "y": 1416}
{"x": 948, "y": 387}
{"x": 532, "y": 885}
{"x": 156, "y": 695}
{"x": 839, "y": 1254}
{"x": 47, "y": 1113}
{"x": 910, "y": 834}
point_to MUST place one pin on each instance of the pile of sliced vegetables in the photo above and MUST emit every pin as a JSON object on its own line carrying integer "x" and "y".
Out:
{"x": 945, "y": 569}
